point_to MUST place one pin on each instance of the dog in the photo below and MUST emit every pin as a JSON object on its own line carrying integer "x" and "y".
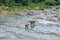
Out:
{"x": 26, "y": 25}
{"x": 32, "y": 23}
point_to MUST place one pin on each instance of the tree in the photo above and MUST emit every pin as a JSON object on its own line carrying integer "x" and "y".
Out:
{"x": 24, "y": 2}
{"x": 58, "y": 2}
{"x": 50, "y": 2}
{"x": 41, "y": 0}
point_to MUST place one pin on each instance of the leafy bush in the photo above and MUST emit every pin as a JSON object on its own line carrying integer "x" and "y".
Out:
{"x": 58, "y": 2}
{"x": 24, "y": 2}
{"x": 27, "y": 2}
{"x": 50, "y": 2}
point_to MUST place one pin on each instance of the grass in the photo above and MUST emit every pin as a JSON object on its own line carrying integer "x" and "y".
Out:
{"x": 0, "y": 10}
{"x": 32, "y": 6}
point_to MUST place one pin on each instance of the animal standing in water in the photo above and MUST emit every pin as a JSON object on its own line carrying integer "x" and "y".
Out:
{"x": 32, "y": 23}
{"x": 26, "y": 26}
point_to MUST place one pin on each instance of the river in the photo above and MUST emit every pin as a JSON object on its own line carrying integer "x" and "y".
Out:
{"x": 47, "y": 26}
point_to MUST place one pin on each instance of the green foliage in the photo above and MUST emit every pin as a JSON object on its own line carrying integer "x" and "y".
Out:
{"x": 24, "y": 2}
{"x": 50, "y": 2}
{"x": 27, "y": 2}
{"x": 58, "y": 2}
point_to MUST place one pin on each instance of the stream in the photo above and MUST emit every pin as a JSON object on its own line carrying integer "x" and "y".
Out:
{"x": 12, "y": 27}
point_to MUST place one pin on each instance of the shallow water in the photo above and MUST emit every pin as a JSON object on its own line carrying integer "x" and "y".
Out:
{"x": 12, "y": 26}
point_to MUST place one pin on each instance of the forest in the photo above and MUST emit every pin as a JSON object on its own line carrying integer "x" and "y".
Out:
{"x": 29, "y": 4}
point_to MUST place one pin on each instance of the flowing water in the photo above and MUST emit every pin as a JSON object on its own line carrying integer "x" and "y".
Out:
{"x": 12, "y": 27}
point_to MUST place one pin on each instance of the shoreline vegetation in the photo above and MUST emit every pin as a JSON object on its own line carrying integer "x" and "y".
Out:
{"x": 12, "y": 5}
{"x": 22, "y": 10}
{"x": 29, "y": 7}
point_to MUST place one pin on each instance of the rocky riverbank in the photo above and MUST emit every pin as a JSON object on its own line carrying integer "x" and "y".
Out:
{"x": 47, "y": 26}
